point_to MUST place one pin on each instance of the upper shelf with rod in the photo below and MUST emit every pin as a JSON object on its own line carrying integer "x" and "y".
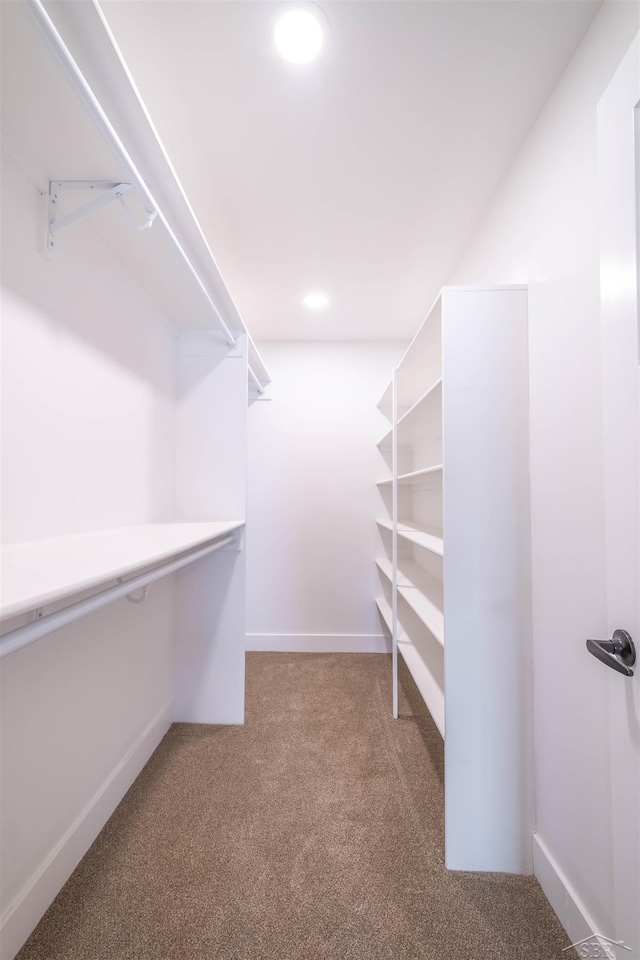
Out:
{"x": 39, "y": 573}
{"x": 87, "y": 120}
{"x": 258, "y": 375}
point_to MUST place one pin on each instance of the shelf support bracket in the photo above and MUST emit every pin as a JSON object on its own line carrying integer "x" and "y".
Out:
{"x": 107, "y": 192}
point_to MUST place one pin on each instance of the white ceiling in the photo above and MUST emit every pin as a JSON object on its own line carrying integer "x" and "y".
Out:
{"x": 361, "y": 174}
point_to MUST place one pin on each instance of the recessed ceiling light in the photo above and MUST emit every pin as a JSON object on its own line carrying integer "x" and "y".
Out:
{"x": 299, "y": 33}
{"x": 315, "y": 301}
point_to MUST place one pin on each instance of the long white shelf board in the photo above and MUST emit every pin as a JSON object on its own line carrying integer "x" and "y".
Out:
{"x": 429, "y": 394}
{"x": 385, "y": 442}
{"x": 424, "y": 680}
{"x": 149, "y": 256}
{"x": 428, "y": 686}
{"x": 415, "y": 535}
{"x": 39, "y": 572}
{"x": 423, "y": 606}
{"x": 415, "y": 477}
{"x": 385, "y": 612}
{"x": 385, "y": 567}
{"x": 423, "y": 539}
{"x": 385, "y": 402}
{"x": 428, "y": 612}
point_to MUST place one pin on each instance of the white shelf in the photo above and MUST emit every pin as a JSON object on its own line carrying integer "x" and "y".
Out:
{"x": 461, "y": 404}
{"x": 40, "y": 572}
{"x": 413, "y": 478}
{"x": 179, "y": 292}
{"x": 415, "y": 535}
{"x": 385, "y": 612}
{"x": 385, "y": 442}
{"x": 428, "y": 686}
{"x": 422, "y": 538}
{"x": 416, "y": 476}
{"x": 426, "y": 683}
{"x": 386, "y": 568}
{"x": 421, "y": 364}
{"x": 386, "y": 400}
{"x": 424, "y": 419}
{"x": 428, "y": 395}
{"x": 428, "y": 612}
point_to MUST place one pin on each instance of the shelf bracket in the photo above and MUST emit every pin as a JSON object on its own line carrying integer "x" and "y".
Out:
{"x": 107, "y": 192}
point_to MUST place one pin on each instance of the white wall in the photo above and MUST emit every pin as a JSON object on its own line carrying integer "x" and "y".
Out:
{"x": 312, "y": 499}
{"x": 88, "y": 401}
{"x": 542, "y": 229}
{"x": 88, "y": 379}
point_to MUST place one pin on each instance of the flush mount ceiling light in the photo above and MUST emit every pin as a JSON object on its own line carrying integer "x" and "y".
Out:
{"x": 316, "y": 301}
{"x": 299, "y": 32}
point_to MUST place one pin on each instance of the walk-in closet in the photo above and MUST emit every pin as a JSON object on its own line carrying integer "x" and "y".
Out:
{"x": 320, "y": 464}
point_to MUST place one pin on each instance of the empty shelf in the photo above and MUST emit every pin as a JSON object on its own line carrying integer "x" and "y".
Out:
{"x": 386, "y": 568}
{"x": 406, "y": 479}
{"x": 425, "y": 415}
{"x": 428, "y": 612}
{"x": 385, "y": 442}
{"x": 40, "y": 572}
{"x": 415, "y": 477}
{"x": 385, "y": 612}
{"x": 409, "y": 532}
{"x": 425, "y": 608}
{"x": 423, "y": 539}
{"x": 424, "y": 680}
{"x": 386, "y": 400}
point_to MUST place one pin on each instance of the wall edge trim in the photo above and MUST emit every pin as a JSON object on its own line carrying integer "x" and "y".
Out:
{"x": 561, "y": 894}
{"x": 30, "y": 904}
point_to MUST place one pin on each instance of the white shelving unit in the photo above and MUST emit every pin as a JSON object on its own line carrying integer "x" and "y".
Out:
{"x": 413, "y": 478}
{"x": 455, "y": 577}
{"x": 36, "y": 573}
{"x": 82, "y": 85}
{"x": 96, "y": 666}
{"x": 66, "y": 55}
{"x": 388, "y": 602}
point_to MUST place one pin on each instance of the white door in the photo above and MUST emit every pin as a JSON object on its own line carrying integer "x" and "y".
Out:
{"x": 619, "y": 175}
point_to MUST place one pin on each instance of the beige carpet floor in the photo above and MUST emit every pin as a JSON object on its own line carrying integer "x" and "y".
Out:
{"x": 313, "y": 832}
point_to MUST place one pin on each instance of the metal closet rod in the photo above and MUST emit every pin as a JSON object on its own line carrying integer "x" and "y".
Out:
{"x": 22, "y": 636}
{"x": 253, "y": 376}
{"x": 92, "y": 103}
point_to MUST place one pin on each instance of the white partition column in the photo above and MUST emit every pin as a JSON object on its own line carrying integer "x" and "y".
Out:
{"x": 211, "y": 468}
{"x": 460, "y": 575}
{"x": 486, "y": 580}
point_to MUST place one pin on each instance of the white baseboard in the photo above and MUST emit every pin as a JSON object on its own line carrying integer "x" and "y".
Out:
{"x": 319, "y": 642}
{"x": 571, "y": 912}
{"x": 29, "y": 906}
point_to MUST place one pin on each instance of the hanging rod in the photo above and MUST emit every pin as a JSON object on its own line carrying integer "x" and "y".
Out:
{"x": 253, "y": 376}
{"x": 22, "y": 636}
{"x": 101, "y": 119}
